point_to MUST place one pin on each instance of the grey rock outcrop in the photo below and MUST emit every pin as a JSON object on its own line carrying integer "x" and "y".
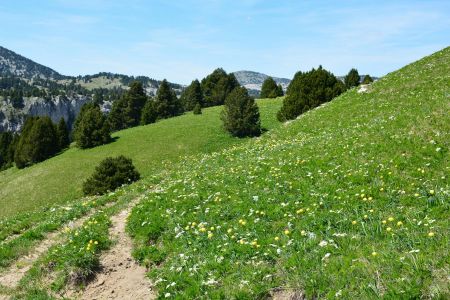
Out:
{"x": 12, "y": 119}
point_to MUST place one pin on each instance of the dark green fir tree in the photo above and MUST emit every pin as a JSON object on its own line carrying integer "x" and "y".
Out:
{"x": 240, "y": 115}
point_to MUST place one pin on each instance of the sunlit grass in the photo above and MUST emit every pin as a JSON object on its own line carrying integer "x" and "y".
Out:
{"x": 351, "y": 200}
{"x": 59, "y": 179}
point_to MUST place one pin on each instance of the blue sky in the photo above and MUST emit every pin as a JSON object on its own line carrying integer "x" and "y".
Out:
{"x": 187, "y": 39}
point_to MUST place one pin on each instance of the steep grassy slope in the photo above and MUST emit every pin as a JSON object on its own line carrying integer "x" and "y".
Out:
{"x": 59, "y": 179}
{"x": 351, "y": 200}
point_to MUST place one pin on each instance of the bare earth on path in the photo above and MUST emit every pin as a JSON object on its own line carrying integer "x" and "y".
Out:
{"x": 120, "y": 276}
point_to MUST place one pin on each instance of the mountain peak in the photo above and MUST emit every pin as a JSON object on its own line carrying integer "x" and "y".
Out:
{"x": 253, "y": 81}
{"x": 13, "y": 64}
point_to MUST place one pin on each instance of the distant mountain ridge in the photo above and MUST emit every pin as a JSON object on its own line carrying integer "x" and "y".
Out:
{"x": 253, "y": 81}
{"x": 13, "y": 64}
{"x": 59, "y": 95}
{"x": 29, "y": 88}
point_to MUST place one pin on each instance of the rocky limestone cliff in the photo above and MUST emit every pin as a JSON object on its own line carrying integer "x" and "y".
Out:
{"x": 58, "y": 107}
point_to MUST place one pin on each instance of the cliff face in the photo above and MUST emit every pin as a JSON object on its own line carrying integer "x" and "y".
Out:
{"x": 12, "y": 119}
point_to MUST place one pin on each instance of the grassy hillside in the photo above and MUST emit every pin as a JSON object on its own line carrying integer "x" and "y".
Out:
{"x": 59, "y": 179}
{"x": 350, "y": 200}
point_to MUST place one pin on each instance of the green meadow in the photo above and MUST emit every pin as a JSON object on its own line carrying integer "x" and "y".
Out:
{"x": 350, "y": 200}
{"x": 59, "y": 179}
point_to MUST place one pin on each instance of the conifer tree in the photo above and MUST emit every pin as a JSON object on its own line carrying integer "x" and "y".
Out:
{"x": 217, "y": 86}
{"x": 38, "y": 141}
{"x": 6, "y": 139}
{"x": 127, "y": 111}
{"x": 280, "y": 92}
{"x": 192, "y": 96}
{"x": 63, "y": 134}
{"x": 308, "y": 90}
{"x": 367, "y": 79}
{"x": 135, "y": 100}
{"x": 149, "y": 114}
{"x": 12, "y": 149}
{"x": 352, "y": 79}
{"x": 240, "y": 115}
{"x": 91, "y": 128}
{"x": 166, "y": 102}
{"x": 98, "y": 97}
{"x": 116, "y": 117}
{"x": 197, "y": 109}
{"x": 269, "y": 88}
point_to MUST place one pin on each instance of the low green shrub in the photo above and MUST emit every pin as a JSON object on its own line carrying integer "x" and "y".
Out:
{"x": 110, "y": 174}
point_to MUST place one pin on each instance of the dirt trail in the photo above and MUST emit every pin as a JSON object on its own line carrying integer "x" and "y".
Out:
{"x": 11, "y": 277}
{"x": 120, "y": 276}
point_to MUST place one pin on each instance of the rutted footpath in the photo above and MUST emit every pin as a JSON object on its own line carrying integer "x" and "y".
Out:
{"x": 120, "y": 277}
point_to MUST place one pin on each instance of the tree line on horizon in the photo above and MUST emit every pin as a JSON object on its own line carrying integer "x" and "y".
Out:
{"x": 41, "y": 139}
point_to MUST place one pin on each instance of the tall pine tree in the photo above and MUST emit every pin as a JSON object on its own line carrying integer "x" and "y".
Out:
{"x": 240, "y": 114}
{"x": 269, "y": 88}
{"x": 135, "y": 99}
{"x": 127, "y": 111}
{"x": 149, "y": 114}
{"x": 6, "y": 139}
{"x": 91, "y": 128}
{"x": 367, "y": 79}
{"x": 217, "y": 86}
{"x": 166, "y": 102}
{"x": 63, "y": 134}
{"x": 280, "y": 92}
{"x": 116, "y": 117}
{"x": 192, "y": 96}
{"x": 38, "y": 141}
{"x": 352, "y": 79}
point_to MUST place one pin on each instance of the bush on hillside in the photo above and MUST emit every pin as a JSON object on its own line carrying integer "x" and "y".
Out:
{"x": 110, "y": 174}
{"x": 240, "y": 114}
{"x": 308, "y": 90}
{"x": 91, "y": 128}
